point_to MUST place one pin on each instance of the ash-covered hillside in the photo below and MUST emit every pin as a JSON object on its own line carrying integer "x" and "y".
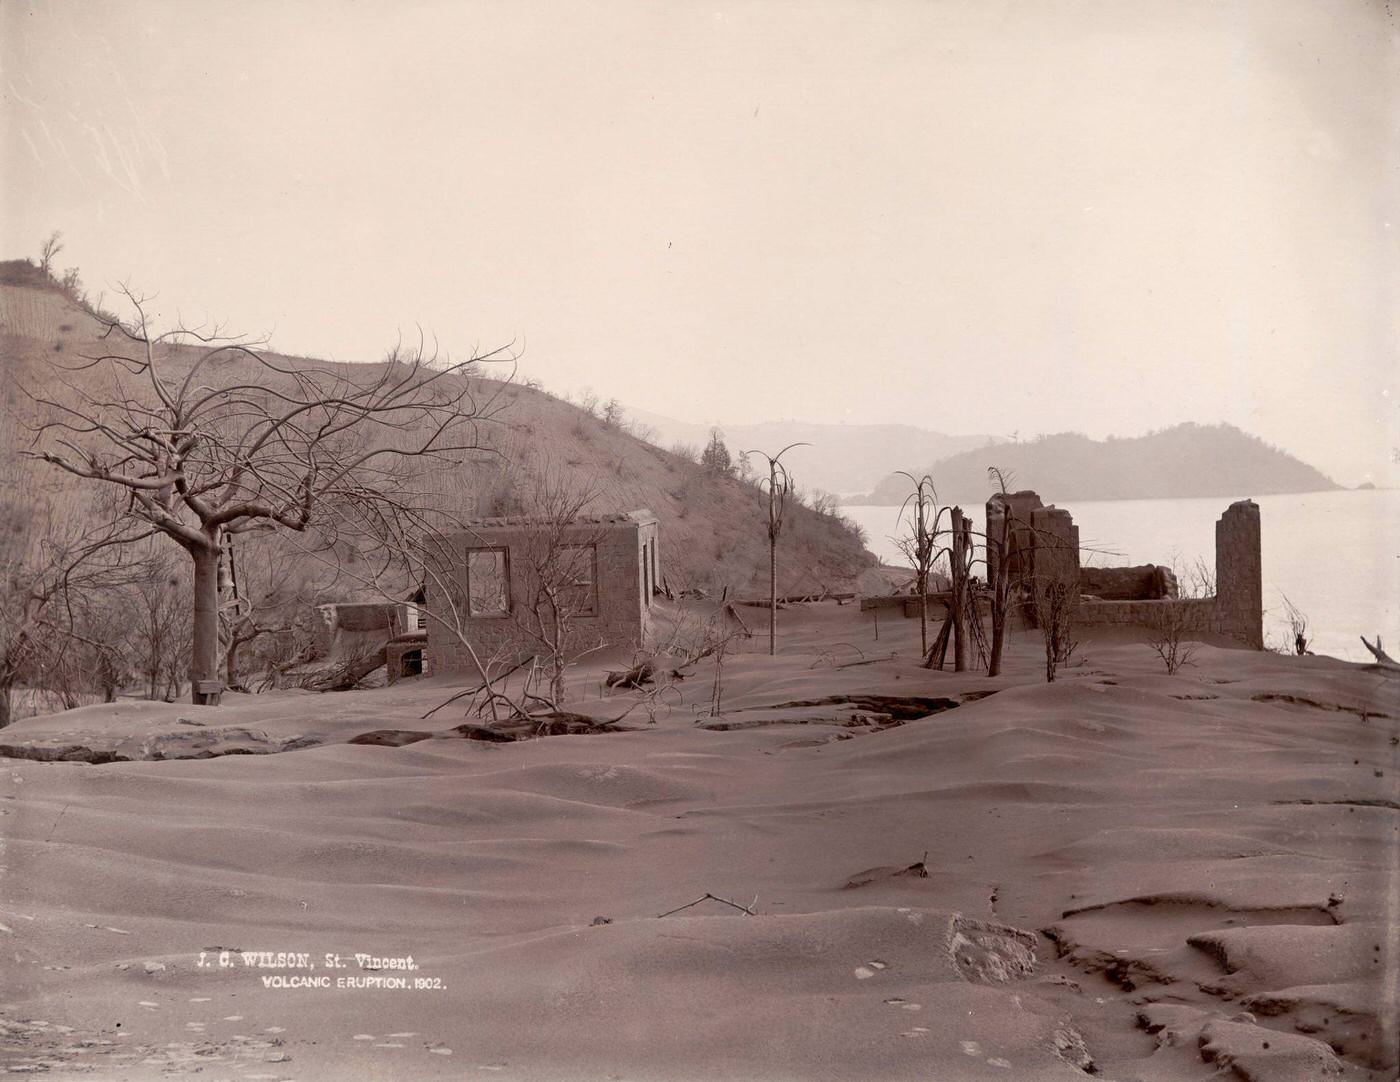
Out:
{"x": 713, "y": 526}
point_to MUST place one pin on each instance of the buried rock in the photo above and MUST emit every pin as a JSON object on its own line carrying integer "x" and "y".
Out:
{"x": 859, "y": 711}
{"x": 1237, "y": 1047}
{"x": 390, "y": 738}
{"x": 989, "y": 953}
{"x": 1250, "y": 1051}
{"x": 61, "y": 753}
{"x": 197, "y": 743}
{"x": 554, "y": 723}
{"x": 848, "y": 717}
{"x": 917, "y": 870}
{"x": 898, "y": 707}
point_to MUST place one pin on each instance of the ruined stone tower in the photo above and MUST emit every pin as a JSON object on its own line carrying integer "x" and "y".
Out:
{"x": 1239, "y": 577}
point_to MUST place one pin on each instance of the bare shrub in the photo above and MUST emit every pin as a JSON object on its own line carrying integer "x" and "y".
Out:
{"x": 1172, "y": 627}
{"x": 48, "y": 251}
{"x": 1175, "y": 624}
{"x": 1297, "y": 627}
{"x": 1055, "y": 602}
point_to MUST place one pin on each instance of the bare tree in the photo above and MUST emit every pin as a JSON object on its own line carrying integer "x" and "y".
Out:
{"x": 208, "y": 438}
{"x": 556, "y": 571}
{"x": 920, "y": 544}
{"x": 780, "y": 487}
{"x": 1054, "y": 585}
{"x": 961, "y": 604}
{"x": 49, "y": 250}
{"x": 1003, "y": 571}
{"x": 263, "y": 585}
{"x": 51, "y": 559}
{"x": 161, "y": 627}
{"x": 105, "y": 626}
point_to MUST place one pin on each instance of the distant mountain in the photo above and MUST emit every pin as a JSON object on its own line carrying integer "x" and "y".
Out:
{"x": 1186, "y": 460}
{"x": 842, "y": 458}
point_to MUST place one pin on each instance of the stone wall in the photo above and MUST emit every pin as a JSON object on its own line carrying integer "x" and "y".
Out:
{"x": 1044, "y": 546}
{"x": 1236, "y": 610}
{"x": 1149, "y": 582}
{"x": 1145, "y": 613}
{"x": 627, "y": 565}
{"x": 1055, "y": 546}
{"x": 1239, "y": 581}
{"x": 1018, "y": 506}
{"x": 1043, "y": 542}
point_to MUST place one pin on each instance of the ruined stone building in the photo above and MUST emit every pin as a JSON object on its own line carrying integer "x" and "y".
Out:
{"x": 1044, "y": 544}
{"x": 602, "y": 571}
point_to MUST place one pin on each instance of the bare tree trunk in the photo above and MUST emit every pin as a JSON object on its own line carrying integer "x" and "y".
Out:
{"x": 6, "y": 704}
{"x": 204, "y": 651}
{"x": 717, "y": 693}
{"x": 772, "y": 576}
{"x": 958, "y": 600}
{"x": 923, "y": 614}
{"x": 557, "y": 683}
{"x": 231, "y": 661}
{"x": 999, "y": 602}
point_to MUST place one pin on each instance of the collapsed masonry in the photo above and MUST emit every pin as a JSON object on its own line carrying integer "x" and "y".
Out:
{"x": 343, "y": 642}
{"x": 1043, "y": 545}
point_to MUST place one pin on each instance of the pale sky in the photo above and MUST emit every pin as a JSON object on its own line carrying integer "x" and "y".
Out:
{"x": 972, "y": 215}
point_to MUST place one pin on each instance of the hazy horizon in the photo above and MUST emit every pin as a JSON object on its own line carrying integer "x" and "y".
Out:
{"x": 965, "y": 216}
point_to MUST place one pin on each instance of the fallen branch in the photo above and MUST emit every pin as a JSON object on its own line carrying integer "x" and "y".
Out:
{"x": 828, "y": 657}
{"x": 634, "y": 677}
{"x": 1378, "y": 652}
{"x": 714, "y": 898}
{"x": 733, "y": 614}
{"x": 865, "y": 661}
{"x": 477, "y": 688}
